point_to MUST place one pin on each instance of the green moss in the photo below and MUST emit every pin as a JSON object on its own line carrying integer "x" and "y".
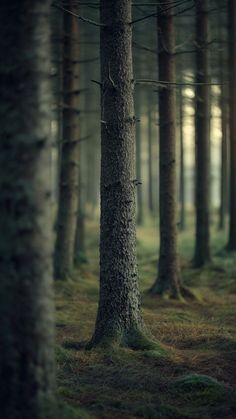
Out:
{"x": 192, "y": 382}
{"x": 138, "y": 340}
{"x": 157, "y": 353}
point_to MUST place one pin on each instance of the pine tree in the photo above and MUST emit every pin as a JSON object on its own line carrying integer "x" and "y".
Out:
{"x": 119, "y": 318}
{"x": 202, "y": 129}
{"x": 168, "y": 280}
{"x": 26, "y": 241}
{"x": 232, "y": 121}
{"x": 69, "y": 171}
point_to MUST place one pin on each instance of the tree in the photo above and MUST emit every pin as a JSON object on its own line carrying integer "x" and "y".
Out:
{"x": 182, "y": 168}
{"x": 119, "y": 318}
{"x": 232, "y": 121}
{"x": 168, "y": 280}
{"x": 69, "y": 171}
{"x": 150, "y": 154}
{"x": 26, "y": 242}
{"x": 139, "y": 157}
{"x": 202, "y": 140}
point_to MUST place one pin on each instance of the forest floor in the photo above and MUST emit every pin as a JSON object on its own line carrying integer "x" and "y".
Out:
{"x": 194, "y": 377}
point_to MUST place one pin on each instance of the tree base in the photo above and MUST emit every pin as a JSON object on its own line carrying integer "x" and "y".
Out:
{"x": 181, "y": 293}
{"x": 134, "y": 339}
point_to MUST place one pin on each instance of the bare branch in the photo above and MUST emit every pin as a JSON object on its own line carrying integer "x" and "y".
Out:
{"x": 91, "y": 22}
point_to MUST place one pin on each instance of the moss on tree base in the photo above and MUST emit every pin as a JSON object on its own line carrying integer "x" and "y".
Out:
{"x": 134, "y": 338}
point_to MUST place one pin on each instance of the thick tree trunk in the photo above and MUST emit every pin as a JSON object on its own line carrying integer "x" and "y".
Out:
{"x": 69, "y": 175}
{"x": 182, "y": 168}
{"x": 202, "y": 127}
{"x": 168, "y": 280}
{"x": 26, "y": 242}
{"x": 232, "y": 122}
{"x": 119, "y": 318}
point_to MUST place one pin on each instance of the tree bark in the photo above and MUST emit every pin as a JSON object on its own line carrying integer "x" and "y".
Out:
{"x": 69, "y": 174}
{"x": 119, "y": 318}
{"x": 232, "y": 121}
{"x": 202, "y": 132}
{"x": 26, "y": 242}
{"x": 168, "y": 280}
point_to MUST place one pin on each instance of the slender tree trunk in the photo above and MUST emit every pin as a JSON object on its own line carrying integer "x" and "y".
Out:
{"x": 150, "y": 157}
{"x": 224, "y": 157}
{"x": 80, "y": 227}
{"x": 232, "y": 122}
{"x": 68, "y": 194}
{"x": 202, "y": 127}
{"x": 168, "y": 280}
{"x": 26, "y": 242}
{"x": 139, "y": 159}
{"x": 119, "y": 318}
{"x": 224, "y": 128}
{"x": 182, "y": 168}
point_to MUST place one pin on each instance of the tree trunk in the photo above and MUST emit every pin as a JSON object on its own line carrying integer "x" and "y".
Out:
{"x": 232, "y": 122}
{"x": 182, "y": 168}
{"x": 69, "y": 175}
{"x": 139, "y": 159}
{"x": 168, "y": 280}
{"x": 26, "y": 242}
{"x": 119, "y": 318}
{"x": 202, "y": 127}
{"x": 80, "y": 227}
{"x": 150, "y": 157}
{"x": 224, "y": 157}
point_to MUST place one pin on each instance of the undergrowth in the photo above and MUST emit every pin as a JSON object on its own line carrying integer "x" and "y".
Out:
{"x": 191, "y": 375}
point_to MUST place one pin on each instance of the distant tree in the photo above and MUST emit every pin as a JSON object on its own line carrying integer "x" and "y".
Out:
{"x": 138, "y": 110}
{"x": 182, "y": 161}
{"x": 69, "y": 161}
{"x": 26, "y": 241}
{"x": 223, "y": 103}
{"x": 232, "y": 120}
{"x": 202, "y": 142}
{"x": 168, "y": 280}
{"x": 119, "y": 318}
{"x": 150, "y": 154}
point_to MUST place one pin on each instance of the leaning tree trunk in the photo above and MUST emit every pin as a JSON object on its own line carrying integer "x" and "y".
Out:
{"x": 119, "y": 318}
{"x": 69, "y": 175}
{"x": 232, "y": 122}
{"x": 202, "y": 130}
{"x": 26, "y": 242}
{"x": 168, "y": 280}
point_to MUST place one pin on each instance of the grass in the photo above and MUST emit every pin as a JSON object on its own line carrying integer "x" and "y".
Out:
{"x": 192, "y": 375}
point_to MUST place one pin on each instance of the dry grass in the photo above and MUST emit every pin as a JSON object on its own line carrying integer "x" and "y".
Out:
{"x": 200, "y": 338}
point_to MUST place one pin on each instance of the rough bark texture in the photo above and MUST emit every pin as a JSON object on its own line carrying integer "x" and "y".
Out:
{"x": 168, "y": 280}
{"x": 232, "y": 123}
{"x": 118, "y": 318}
{"x": 69, "y": 174}
{"x": 26, "y": 242}
{"x": 202, "y": 132}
